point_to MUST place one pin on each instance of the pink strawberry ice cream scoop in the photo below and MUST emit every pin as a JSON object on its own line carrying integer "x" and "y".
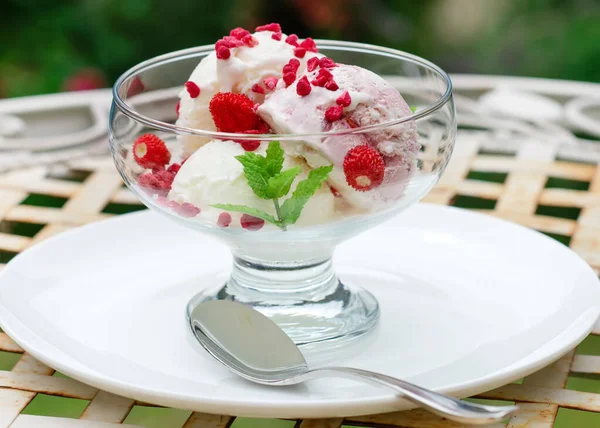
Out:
{"x": 343, "y": 97}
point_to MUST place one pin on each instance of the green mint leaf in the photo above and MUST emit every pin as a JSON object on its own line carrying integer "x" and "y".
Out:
{"x": 255, "y": 169}
{"x": 413, "y": 108}
{"x": 280, "y": 184}
{"x": 274, "y": 158}
{"x": 248, "y": 210}
{"x": 292, "y": 207}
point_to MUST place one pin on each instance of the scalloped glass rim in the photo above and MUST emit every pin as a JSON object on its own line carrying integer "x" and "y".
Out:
{"x": 332, "y": 44}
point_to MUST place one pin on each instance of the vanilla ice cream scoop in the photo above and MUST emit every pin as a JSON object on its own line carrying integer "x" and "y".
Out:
{"x": 212, "y": 175}
{"x": 372, "y": 101}
{"x": 243, "y": 72}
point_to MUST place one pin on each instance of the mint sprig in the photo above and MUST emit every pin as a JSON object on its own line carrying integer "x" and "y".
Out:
{"x": 268, "y": 181}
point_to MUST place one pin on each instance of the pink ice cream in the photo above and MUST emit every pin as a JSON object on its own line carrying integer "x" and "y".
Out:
{"x": 373, "y": 101}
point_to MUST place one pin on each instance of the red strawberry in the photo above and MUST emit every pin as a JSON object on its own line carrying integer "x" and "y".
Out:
{"x": 158, "y": 181}
{"x": 299, "y": 52}
{"x": 331, "y": 85}
{"x": 276, "y": 28}
{"x": 276, "y": 36}
{"x": 149, "y": 151}
{"x": 309, "y": 44}
{"x": 326, "y": 62}
{"x": 334, "y": 113}
{"x": 174, "y": 168}
{"x": 289, "y": 78}
{"x": 234, "y": 113}
{"x": 292, "y": 39}
{"x": 239, "y": 33}
{"x": 303, "y": 87}
{"x": 364, "y": 168}
{"x": 224, "y": 220}
{"x": 187, "y": 210}
{"x": 251, "y": 145}
{"x": 249, "y": 222}
{"x": 192, "y": 89}
{"x": 312, "y": 63}
{"x": 344, "y": 100}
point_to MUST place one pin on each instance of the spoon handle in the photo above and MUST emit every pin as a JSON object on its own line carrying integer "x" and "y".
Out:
{"x": 451, "y": 408}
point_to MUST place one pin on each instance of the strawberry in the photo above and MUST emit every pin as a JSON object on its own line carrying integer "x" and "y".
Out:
{"x": 303, "y": 87}
{"x": 309, "y": 44}
{"x": 149, "y": 151}
{"x": 292, "y": 39}
{"x": 192, "y": 89}
{"x": 299, "y": 52}
{"x": 239, "y": 33}
{"x": 334, "y": 113}
{"x": 344, "y": 100}
{"x": 276, "y": 28}
{"x": 234, "y": 113}
{"x": 187, "y": 210}
{"x": 364, "y": 168}
{"x": 312, "y": 63}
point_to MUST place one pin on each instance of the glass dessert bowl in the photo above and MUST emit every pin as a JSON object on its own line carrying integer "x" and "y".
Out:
{"x": 281, "y": 149}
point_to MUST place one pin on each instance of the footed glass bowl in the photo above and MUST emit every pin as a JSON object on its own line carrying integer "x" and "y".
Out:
{"x": 283, "y": 221}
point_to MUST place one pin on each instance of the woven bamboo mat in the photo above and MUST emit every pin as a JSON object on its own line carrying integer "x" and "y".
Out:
{"x": 541, "y": 185}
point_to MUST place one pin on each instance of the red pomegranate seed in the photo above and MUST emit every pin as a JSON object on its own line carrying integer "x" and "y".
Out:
{"x": 192, "y": 89}
{"x": 334, "y": 113}
{"x": 224, "y": 220}
{"x": 276, "y": 28}
{"x": 292, "y": 39}
{"x": 303, "y": 87}
{"x": 258, "y": 89}
{"x": 270, "y": 83}
{"x": 299, "y": 52}
{"x": 344, "y": 100}
{"x": 331, "y": 85}
{"x": 276, "y": 36}
{"x": 251, "y": 223}
{"x": 309, "y": 44}
{"x": 289, "y": 78}
{"x": 326, "y": 63}
{"x": 312, "y": 63}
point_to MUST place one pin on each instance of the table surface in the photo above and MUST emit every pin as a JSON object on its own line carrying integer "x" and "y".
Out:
{"x": 543, "y": 175}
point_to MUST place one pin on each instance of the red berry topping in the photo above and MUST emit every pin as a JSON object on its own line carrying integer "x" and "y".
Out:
{"x": 187, "y": 210}
{"x": 344, "y": 100}
{"x": 173, "y": 205}
{"x": 224, "y": 220}
{"x": 364, "y": 168}
{"x": 223, "y": 52}
{"x": 234, "y": 112}
{"x": 192, "y": 89}
{"x": 276, "y": 28}
{"x": 251, "y": 145}
{"x": 251, "y": 223}
{"x": 331, "y": 85}
{"x": 326, "y": 63}
{"x": 177, "y": 108}
{"x": 334, "y": 113}
{"x": 312, "y": 63}
{"x": 323, "y": 72}
{"x": 289, "y": 78}
{"x": 303, "y": 87}
{"x": 299, "y": 52}
{"x": 174, "y": 168}
{"x": 239, "y": 33}
{"x": 270, "y": 83}
{"x": 258, "y": 89}
{"x": 250, "y": 41}
{"x": 292, "y": 39}
{"x": 149, "y": 151}
{"x": 292, "y": 66}
{"x": 159, "y": 181}
{"x": 276, "y": 36}
{"x": 319, "y": 81}
{"x": 309, "y": 44}
{"x": 232, "y": 42}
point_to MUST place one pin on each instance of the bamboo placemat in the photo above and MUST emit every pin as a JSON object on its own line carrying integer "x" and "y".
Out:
{"x": 539, "y": 184}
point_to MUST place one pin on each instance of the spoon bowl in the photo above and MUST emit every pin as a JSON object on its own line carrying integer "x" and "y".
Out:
{"x": 255, "y": 348}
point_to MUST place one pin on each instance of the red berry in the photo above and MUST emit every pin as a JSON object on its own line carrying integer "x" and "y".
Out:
{"x": 192, "y": 89}
{"x": 270, "y": 83}
{"x": 224, "y": 220}
{"x": 177, "y": 108}
{"x": 276, "y": 28}
{"x": 364, "y": 168}
{"x": 326, "y": 63}
{"x": 292, "y": 66}
{"x": 312, "y": 63}
{"x": 334, "y": 113}
{"x": 292, "y": 39}
{"x": 276, "y": 36}
{"x": 331, "y": 85}
{"x": 232, "y": 42}
{"x": 319, "y": 81}
{"x": 258, "y": 89}
{"x": 187, "y": 210}
{"x": 303, "y": 87}
{"x": 174, "y": 168}
{"x": 173, "y": 205}
{"x": 239, "y": 33}
{"x": 251, "y": 145}
{"x": 289, "y": 78}
{"x": 149, "y": 151}
{"x": 344, "y": 100}
{"x": 159, "y": 181}
{"x": 309, "y": 44}
{"x": 234, "y": 112}
{"x": 251, "y": 223}
{"x": 223, "y": 52}
{"x": 250, "y": 41}
{"x": 299, "y": 52}
{"x": 323, "y": 72}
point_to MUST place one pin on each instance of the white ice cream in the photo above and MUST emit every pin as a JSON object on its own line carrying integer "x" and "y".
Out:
{"x": 245, "y": 67}
{"x": 212, "y": 175}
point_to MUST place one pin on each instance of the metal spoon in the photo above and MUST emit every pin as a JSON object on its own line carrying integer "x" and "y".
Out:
{"x": 254, "y": 347}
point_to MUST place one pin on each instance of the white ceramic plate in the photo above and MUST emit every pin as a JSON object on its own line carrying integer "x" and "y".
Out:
{"x": 468, "y": 303}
